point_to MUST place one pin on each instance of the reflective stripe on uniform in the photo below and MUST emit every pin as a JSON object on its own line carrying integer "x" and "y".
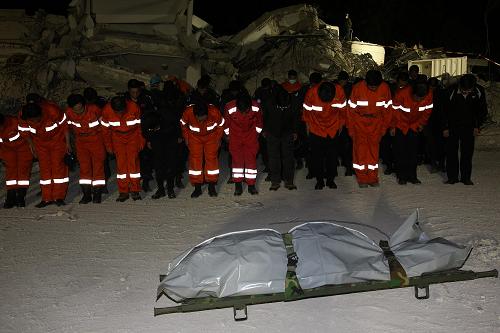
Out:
{"x": 238, "y": 175}
{"x": 135, "y": 175}
{"x": 61, "y": 180}
{"x": 63, "y": 119}
{"x": 85, "y": 181}
{"x": 258, "y": 129}
{"x": 339, "y": 105}
{"x": 250, "y": 176}
{"x": 26, "y": 129}
{"x": 183, "y": 122}
{"x": 15, "y": 137}
{"x": 238, "y": 170}
{"x": 45, "y": 182}
{"x": 74, "y": 124}
{"x": 114, "y": 123}
{"x": 222, "y": 122}
{"x": 194, "y": 172}
{"x": 255, "y": 108}
{"x": 373, "y": 167}
{"x": 400, "y": 107}
{"x": 121, "y": 176}
{"x": 133, "y": 122}
{"x": 209, "y": 128}
{"x": 93, "y": 124}
{"x": 50, "y": 128}
{"x": 385, "y": 104}
{"x": 425, "y": 107}
{"x": 231, "y": 110}
{"x": 357, "y": 166}
{"x": 226, "y": 131}
{"x": 99, "y": 182}
{"x": 10, "y": 182}
{"x": 194, "y": 129}
{"x": 105, "y": 124}
{"x": 23, "y": 182}
{"x": 251, "y": 171}
{"x": 213, "y": 172}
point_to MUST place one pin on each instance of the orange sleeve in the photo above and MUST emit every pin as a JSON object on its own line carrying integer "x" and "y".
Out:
{"x": 389, "y": 111}
{"x": 424, "y": 115}
{"x": 106, "y": 130}
{"x": 185, "y": 123}
{"x": 307, "y": 103}
{"x": 341, "y": 99}
{"x": 396, "y": 104}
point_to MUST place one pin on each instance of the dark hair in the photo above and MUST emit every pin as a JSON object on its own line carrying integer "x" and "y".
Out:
{"x": 203, "y": 84}
{"x": 235, "y": 85}
{"x": 134, "y": 83}
{"x": 292, "y": 72}
{"x": 265, "y": 83}
{"x": 433, "y": 82}
{"x": 2, "y": 119}
{"x": 421, "y": 78}
{"x": 403, "y": 76}
{"x": 243, "y": 101}
{"x": 326, "y": 91}
{"x": 33, "y": 98}
{"x": 31, "y": 110}
{"x": 90, "y": 94}
{"x": 75, "y": 99}
{"x": 118, "y": 103}
{"x": 343, "y": 75}
{"x": 200, "y": 108}
{"x": 414, "y": 68}
{"x": 467, "y": 81}
{"x": 373, "y": 78}
{"x": 315, "y": 78}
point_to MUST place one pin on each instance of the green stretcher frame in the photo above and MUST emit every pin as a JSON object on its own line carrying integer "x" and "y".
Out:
{"x": 240, "y": 303}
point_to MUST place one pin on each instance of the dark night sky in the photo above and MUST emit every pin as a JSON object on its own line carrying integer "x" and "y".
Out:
{"x": 432, "y": 23}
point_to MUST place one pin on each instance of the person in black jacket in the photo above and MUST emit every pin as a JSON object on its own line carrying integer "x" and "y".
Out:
{"x": 162, "y": 131}
{"x": 463, "y": 115}
{"x": 280, "y": 129}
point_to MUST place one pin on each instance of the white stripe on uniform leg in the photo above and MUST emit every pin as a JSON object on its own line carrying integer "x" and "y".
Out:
{"x": 85, "y": 181}
{"x": 45, "y": 182}
{"x": 373, "y": 167}
{"x": 238, "y": 175}
{"x": 135, "y": 175}
{"x": 250, "y": 176}
{"x": 98, "y": 182}
{"x": 121, "y": 175}
{"x": 213, "y": 172}
{"x": 11, "y": 182}
{"x": 358, "y": 166}
{"x": 61, "y": 180}
{"x": 251, "y": 171}
{"x": 194, "y": 172}
{"x": 23, "y": 182}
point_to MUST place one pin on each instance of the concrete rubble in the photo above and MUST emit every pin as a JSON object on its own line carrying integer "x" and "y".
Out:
{"x": 101, "y": 44}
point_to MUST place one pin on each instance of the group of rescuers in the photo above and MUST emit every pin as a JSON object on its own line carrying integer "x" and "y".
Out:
{"x": 155, "y": 131}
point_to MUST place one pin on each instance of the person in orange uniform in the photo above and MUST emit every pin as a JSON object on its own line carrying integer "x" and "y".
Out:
{"x": 202, "y": 129}
{"x": 412, "y": 108}
{"x": 121, "y": 121}
{"x": 243, "y": 125}
{"x": 83, "y": 120}
{"x": 323, "y": 114}
{"x": 368, "y": 118}
{"x": 16, "y": 154}
{"x": 44, "y": 126}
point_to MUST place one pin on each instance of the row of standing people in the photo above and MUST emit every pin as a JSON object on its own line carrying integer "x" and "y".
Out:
{"x": 318, "y": 114}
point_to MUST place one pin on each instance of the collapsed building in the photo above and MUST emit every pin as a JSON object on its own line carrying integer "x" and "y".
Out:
{"x": 105, "y": 43}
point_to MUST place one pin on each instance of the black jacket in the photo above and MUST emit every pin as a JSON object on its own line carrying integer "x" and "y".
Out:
{"x": 464, "y": 112}
{"x": 278, "y": 121}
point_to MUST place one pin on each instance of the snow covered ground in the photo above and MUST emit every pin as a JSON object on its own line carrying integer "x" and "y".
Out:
{"x": 94, "y": 268}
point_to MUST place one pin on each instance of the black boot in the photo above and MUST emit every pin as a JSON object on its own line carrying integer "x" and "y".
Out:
{"x": 10, "y": 200}
{"x": 60, "y": 202}
{"x": 87, "y": 194}
{"x": 252, "y": 190}
{"x": 238, "y": 189}
{"x": 43, "y": 204}
{"x": 197, "y": 191}
{"x": 122, "y": 197}
{"x": 331, "y": 183}
{"x": 211, "y": 190}
{"x": 160, "y": 193}
{"x": 320, "y": 184}
{"x": 170, "y": 188}
{"x": 97, "y": 195}
{"x": 20, "y": 197}
{"x": 145, "y": 185}
{"x": 135, "y": 196}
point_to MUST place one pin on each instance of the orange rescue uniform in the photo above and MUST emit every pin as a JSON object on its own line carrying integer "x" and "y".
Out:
{"x": 368, "y": 118}
{"x": 122, "y": 136}
{"x": 49, "y": 140}
{"x": 89, "y": 144}
{"x": 16, "y": 154}
{"x": 203, "y": 141}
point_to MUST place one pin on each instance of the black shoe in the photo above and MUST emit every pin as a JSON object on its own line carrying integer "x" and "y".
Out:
{"x": 300, "y": 164}
{"x": 135, "y": 196}
{"x": 60, "y": 202}
{"x": 230, "y": 180}
{"x": 415, "y": 181}
{"x": 145, "y": 185}
{"x": 178, "y": 182}
{"x": 252, "y": 190}
{"x": 211, "y": 190}
{"x": 309, "y": 176}
{"x": 268, "y": 178}
{"x": 122, "y": 197}
{"x": 374, "y": 184}
{"x": 87, "y": 194}
{"x": 171, "y": 194}
{"x": 266, "y": 170}
{"x": 43, "y": 204}
{"x": 362, "y": 185}
{"x": 402, "y": 182}
{"x": 197, "y": 191}
{"x": 348, "y": 172}
{"x": 388, "y": 171}
{"x": 160, "y": 193}
{"x": 331, "y": 183}
{"x": 274, "y": 187}
{"x": 467, "y": 182}
{"x": 238, "y": 189}
{"x": 451, "y": 181}
{"x": 10, "y": 200}
{"x": 20, "y": 197}
{"x": 290, "y": 186}
{"x": 320, "y": 184}
{"x": 97, "y": 195}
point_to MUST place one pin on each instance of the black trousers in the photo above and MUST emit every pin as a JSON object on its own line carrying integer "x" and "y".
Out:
{"x": 263, "y": 151}
{"x": 281, "y": 158}
{"x": 463, "y": 139}
{"x": 165, "y": 162}
{"x": 146, "y": 163}
{"x": 435, "y": 145}
{"x": 406, "y": 148}
{"x": 345, "y": 148}
{"x": 323, "y": 156}
{"x": 387, "y": 150}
